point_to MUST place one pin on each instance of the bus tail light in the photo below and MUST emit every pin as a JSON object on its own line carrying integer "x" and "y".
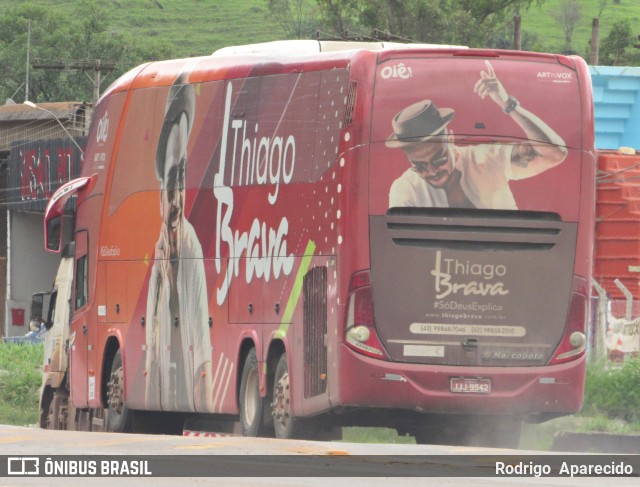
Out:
{"x": 360, "y": 333}
{"x": 574, "y": 340}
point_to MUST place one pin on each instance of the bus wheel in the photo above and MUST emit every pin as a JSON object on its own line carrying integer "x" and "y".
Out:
{"x": 118, "y": 415}
{"x": 284, "y": 423}
{"x": 283, "y": 420}
{"x": 251, "y": 404}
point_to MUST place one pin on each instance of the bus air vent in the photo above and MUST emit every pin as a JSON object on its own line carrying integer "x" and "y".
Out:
{"x": 315, "y": 331}
{"x": 351, "y": 104}
{"x": 471, "y": 229}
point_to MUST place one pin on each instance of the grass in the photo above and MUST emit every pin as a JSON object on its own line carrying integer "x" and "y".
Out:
{"x": 199, "y": 27}
{"x": 614, "y": 390}
{"x": 541, "y": 21}
{"x": 374, "y": 435}
{"x": 191, "y": 27}
{"x": 20, "y": 377}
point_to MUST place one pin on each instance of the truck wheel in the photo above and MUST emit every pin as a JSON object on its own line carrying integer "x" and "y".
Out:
{"x": 46, "y": 410}
{"x": 54, "y": 418}
{"x": 251, "y": 404}
{"x": 118, "y": 415}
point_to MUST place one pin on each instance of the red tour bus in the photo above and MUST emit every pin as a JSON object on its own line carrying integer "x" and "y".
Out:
{"x": 392, "y": 236}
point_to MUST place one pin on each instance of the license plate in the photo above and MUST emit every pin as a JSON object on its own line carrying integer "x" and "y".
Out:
{"x": 468, "y": 385}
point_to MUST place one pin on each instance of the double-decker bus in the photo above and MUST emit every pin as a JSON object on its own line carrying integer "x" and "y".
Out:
{"x": 302, "y": 236}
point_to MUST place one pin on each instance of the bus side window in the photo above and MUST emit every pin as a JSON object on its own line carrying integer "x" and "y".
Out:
{"x": 81, "y": 280}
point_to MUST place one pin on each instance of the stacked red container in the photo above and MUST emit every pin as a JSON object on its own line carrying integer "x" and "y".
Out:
{"x": 617, "y": 243}
{"x": 617, "y": 248}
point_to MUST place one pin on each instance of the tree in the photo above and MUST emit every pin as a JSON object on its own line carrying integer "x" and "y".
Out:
{"x": 59, "y": 40}
{"x": 467, "y": 22}
{"x": 617, "y": 48}
{"x": 297, "y": 18}
{"x": 568, "y": 15}
{"x": 416, "y": 20}
{"x": 481, "y": 10}
{"x": 339, "y": 16}
{"x": 602, "y": 5}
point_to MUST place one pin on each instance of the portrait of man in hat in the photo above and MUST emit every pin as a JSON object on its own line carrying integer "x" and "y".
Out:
{"x": 443, "y": 174}
{"x": 178, "y": 344}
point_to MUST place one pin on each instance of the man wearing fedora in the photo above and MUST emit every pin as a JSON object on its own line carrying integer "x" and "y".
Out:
{"x": 178, "y": 344}
{"x": 445, "y": 175}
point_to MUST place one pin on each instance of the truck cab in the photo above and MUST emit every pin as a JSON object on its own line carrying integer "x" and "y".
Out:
{"x": 54, "y": 391}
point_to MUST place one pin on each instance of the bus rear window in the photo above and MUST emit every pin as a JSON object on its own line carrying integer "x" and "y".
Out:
{"x": 477, "y": 133}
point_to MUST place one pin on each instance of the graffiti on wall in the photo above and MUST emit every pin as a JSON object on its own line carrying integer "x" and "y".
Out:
{"x": 38, "y": 169}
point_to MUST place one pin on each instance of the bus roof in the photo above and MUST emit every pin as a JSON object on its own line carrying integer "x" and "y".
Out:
{"x": 297, "y": 47}
{"x": 299, "y": 55}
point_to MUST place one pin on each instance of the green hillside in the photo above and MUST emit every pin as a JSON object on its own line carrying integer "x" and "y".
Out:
{"x": 199, "y": 27}
{"x": 192, "y": 27}
{"x": 541, "y": 21}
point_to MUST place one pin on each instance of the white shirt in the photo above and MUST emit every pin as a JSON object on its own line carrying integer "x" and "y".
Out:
{"x": 486, "y": 171}
{"x": 171, "y": 374}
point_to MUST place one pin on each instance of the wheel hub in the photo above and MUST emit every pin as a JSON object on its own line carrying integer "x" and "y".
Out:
{"x": 280, "y": 406}
{"x": 115, "y": 391}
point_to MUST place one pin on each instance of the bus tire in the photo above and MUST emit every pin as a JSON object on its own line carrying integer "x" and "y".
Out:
{"x": 251, "y": 404}
{"x": 119, "y": 417}
{"x": 285, "y": 424}
{"x": 283, "y": 420}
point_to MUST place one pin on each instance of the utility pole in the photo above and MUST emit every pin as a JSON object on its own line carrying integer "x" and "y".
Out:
{"x": 517, "y": 33}
{"x": 595, "y": 41}
{"x": 26, "y": 90}
{"x": 94, "y": 65}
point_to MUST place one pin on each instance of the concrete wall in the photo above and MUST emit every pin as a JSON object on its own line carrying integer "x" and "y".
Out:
{"x": 29, "y": 268}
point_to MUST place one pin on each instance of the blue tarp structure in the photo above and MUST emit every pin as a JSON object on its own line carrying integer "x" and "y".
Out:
{"x": 616, "y": 97}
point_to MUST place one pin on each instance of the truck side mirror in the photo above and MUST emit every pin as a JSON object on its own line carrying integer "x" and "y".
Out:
{"x": 37, "y": 303}
{"x": 53, "y": 232}
{"x": 55, "y": 209}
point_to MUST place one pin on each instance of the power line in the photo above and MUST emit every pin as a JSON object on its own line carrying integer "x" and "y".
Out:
{"x": 95, "y": 65}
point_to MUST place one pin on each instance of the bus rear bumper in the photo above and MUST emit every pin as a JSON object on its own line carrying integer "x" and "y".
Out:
{"x": 367, "y": 382}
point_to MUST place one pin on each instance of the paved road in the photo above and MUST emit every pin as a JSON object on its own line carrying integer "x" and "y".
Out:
{"x": 274, "y": 462}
